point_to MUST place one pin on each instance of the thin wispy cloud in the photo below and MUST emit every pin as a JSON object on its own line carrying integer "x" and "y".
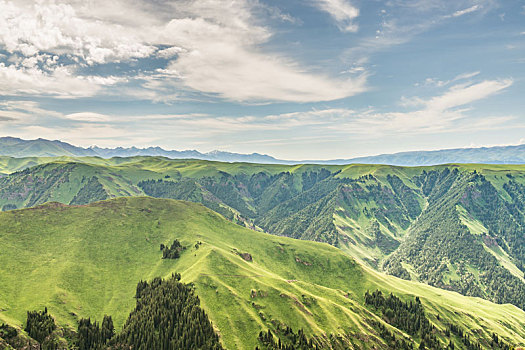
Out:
{"x": 466, "y": 11}
{"x": 401, "y": 21}
{"x": 441, "y": 83}
{"x": 342, "y": 11}
{"x": 450, "y": 110}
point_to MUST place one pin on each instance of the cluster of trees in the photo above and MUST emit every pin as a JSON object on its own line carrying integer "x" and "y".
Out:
{"x": 92, "y": 336}
{"x": 390, "y": 338}
{"x": 39, "y": 325}
{"x": 167, "y": 316}
{"x": 293, "y": 341}
{"x": 504, "y": 219}
{"x": 183, "y": 189}
{"x": 383, "y": 241}
{"x": 407, "y": 316}
{"x": 173, "y": 251}
{"x": 440, "y": 242}
{"x": 411, "y": 318}
{"x": 9, "y": 206}
{"x": 91, "y": 192}
{"x": 11, "y": 338}
{"x": 7, "y": 332}
{"x": 468, "y": 344}
{"x": 284, "y": 338}
{"x": 35, "y": 185}
{"x": 297, "y": 205}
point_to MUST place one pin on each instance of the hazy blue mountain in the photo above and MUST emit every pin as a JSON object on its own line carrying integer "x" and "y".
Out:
{"x": 158, "y": 151}
{"x": 15, "y": 147}
{"x": 485, "y": 155}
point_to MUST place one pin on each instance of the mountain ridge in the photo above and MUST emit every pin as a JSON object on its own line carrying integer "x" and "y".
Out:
{"x": 512, "y": 154}
{"x": 367, "y": 211}
{"x": 89, "y": 263}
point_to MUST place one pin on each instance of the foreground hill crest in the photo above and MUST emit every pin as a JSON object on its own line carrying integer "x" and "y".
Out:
{"x": 84, "y": 261}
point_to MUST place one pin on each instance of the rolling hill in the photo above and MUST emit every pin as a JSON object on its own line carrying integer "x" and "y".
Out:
{"x": 85, "y": 261}
{"x": 457, "y": 227}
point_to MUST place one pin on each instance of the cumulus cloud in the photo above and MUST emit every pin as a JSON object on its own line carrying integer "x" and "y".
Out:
{"x": 342, "y": 11}
{"x": 58, "y": 27}
{"x": 211, "y": 47}
{"x": 60, "y": 82}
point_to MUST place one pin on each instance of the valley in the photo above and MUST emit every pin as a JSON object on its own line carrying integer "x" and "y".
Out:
{"x": 457, "y": 227}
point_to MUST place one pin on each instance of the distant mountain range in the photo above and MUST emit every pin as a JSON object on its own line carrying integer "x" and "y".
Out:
{"x": 16, "y": 147}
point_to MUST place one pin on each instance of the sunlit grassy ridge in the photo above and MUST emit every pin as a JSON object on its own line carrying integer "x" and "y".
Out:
{"x": 85, "y": 261}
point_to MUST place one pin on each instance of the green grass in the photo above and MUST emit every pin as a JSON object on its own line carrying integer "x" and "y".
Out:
{"x": 475, "y": 227}
{"x": 85, "y": 261}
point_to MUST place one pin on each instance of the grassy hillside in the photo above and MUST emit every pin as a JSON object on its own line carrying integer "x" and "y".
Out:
{"x": 459, "y": 227}
{"x": 84, "y": 261}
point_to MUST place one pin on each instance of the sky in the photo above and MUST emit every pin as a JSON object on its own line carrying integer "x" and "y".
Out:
{"x": 296, "y": 79}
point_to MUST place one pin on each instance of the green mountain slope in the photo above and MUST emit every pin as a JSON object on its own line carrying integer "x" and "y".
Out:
{"x": 85, "y": 261}
{"x": 458, "y": 227}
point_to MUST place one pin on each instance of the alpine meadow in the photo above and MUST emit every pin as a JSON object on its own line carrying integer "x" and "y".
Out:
{"x": 262, "y": 175}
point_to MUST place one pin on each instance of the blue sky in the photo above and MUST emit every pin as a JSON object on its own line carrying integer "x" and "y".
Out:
{"x": 309, "y": 79}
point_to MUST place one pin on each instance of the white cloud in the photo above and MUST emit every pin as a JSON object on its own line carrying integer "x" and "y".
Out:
{"x": 466, "y": 11}
{"x": 242, "y": 75}
{"x": 467, "y": 75}
{"x": 57, "y": 27}
{"x": 61, "y": 82}
{"x": 88, "y": 117}
{"x": 450, "y": 112}
{"x": 464, "y": 94}
{"x": 442, "y": 83}
{"x": 213, "y": 47}
{"x": 342, "y": 11}
{"x": 169, "y": 52}
{"x": 445, "y": 113}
